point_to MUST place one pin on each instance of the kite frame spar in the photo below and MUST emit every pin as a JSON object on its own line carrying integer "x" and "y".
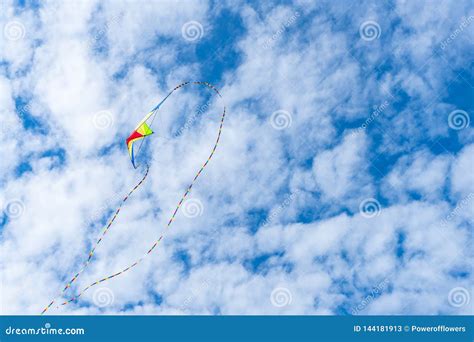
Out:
{"x": 91, "y": 253}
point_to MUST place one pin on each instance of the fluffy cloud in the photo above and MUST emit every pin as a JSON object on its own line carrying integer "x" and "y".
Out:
{"x": 420, "y": 174}
{"x": 342, "y": 171}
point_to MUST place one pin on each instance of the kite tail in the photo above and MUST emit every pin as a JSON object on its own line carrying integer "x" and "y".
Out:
{"x": 171, "y": 219}
{"x": 91, "y": 253}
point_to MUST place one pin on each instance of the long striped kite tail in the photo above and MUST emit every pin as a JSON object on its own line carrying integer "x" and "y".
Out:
{"x": 209, "y": 86}
{"x": 188, "y": 190}
{"x": 101, "y": 237}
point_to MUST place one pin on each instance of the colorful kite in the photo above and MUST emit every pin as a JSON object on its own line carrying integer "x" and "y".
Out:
{"x": 139, "y": 133}
{"x": 142, "y": 130}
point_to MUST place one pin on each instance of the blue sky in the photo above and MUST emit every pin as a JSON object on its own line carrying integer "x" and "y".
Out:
{"x": 342, "y": 184}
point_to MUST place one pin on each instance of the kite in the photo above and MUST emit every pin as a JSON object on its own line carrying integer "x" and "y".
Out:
{"x": 142, "y": 130}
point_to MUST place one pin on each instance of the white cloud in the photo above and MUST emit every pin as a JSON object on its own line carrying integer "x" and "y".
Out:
{"x": 341, "y": 173}
{"x": 461, "y": 174}
{"x": 421, "y": 173}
